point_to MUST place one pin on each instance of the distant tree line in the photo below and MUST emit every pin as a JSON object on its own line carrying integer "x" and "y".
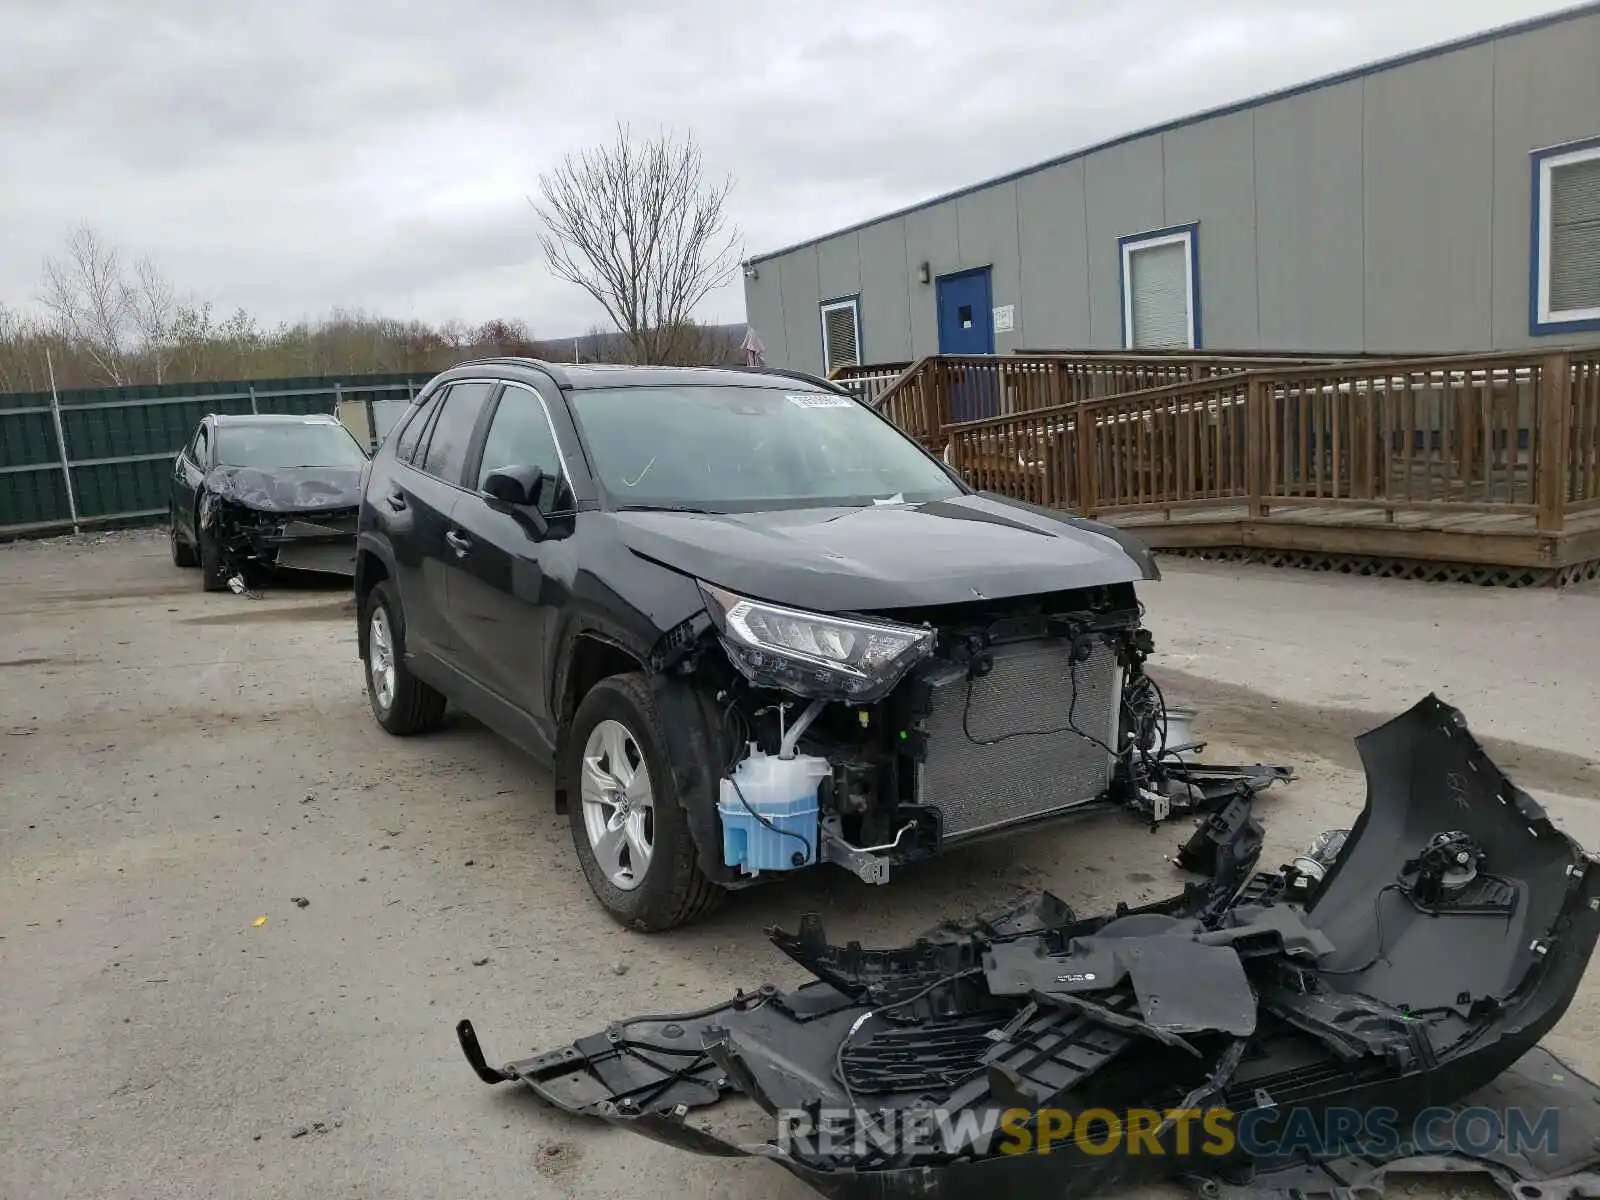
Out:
{"x": 106, "y": 322}
{"x": 637, "y": 225}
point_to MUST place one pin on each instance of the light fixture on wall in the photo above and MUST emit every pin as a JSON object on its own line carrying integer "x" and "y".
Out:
{"x": 750, "y": 271}
{"x": 924, "y": 273}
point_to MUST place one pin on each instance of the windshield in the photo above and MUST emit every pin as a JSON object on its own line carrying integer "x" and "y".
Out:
{"x": 291, "y": 444}
{"x": 749, "y": 448}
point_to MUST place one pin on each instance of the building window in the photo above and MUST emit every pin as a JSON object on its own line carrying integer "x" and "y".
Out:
{"x": 1565, "y": 282}
{"x": 1161, "y": 289}
{"x": 841, "y": 333}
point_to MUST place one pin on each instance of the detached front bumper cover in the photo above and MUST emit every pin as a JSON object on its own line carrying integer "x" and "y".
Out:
{"x": 1448, "y": 936}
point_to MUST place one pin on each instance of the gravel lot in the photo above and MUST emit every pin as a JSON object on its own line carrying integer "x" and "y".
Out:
{"x": 175, "y": 767}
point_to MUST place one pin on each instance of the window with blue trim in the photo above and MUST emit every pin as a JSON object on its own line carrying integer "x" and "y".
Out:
{"x": 1160, "y": 289}
{"x": 1565, "y": 280}
{"x": 841, "y": 333}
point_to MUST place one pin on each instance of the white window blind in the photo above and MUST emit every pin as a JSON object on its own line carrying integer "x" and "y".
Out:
{"x": 841, "y": 335}
{"x": 1158, "y": 295}
{"x": 1574, "y": 234}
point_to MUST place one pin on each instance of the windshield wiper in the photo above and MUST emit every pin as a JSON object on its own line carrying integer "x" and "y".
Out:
{"x": 676, "y": 508}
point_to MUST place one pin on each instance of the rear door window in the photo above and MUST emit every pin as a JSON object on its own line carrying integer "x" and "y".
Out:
{"x": 411, "y": 435}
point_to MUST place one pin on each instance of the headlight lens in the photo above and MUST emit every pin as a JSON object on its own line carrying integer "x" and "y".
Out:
{"x": 813, "y": 654}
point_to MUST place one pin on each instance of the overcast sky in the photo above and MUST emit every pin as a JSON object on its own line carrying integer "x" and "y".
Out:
{"x": 292, "y": 156}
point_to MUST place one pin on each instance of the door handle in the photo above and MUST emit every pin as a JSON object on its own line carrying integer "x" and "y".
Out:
{"x": 459, "y": 542}
{"x": 396, "y": 501}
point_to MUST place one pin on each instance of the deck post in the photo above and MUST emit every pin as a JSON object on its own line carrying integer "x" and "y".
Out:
{"x": 1255, "y": 412}
{"x": 1088, "y": 478}
{"x": 1550, "y": 422}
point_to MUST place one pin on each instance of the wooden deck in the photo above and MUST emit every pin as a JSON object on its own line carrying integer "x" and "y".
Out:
{"x": 1487, "y": 466}
{"x": 1483, "y": 538}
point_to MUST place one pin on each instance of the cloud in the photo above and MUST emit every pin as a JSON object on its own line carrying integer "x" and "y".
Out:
{"x": 299, "y": 156}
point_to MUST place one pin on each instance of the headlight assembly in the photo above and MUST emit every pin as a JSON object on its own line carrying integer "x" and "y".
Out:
{"x": 813, "y": 654}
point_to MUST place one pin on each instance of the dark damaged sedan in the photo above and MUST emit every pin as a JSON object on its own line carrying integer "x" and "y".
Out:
{"x": 266, "y": 492}
{"x": 753, "y": 625}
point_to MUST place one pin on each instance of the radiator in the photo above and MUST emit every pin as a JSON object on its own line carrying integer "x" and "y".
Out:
{"x": 1040, "y": 770}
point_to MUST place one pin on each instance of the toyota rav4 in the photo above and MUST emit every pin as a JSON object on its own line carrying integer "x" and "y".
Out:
{"x": 752, "y": 626}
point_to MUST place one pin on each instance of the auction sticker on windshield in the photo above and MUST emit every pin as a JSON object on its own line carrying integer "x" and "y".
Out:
{"x": 820, "y": 400}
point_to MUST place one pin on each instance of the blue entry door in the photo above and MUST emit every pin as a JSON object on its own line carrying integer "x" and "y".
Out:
{"x": 966, "y": 326}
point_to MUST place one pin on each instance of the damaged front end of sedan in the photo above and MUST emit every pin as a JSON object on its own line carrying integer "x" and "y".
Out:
{"x": 302, "y": 519}
{"x": 1408, "y": 968}
{"x": 873, "y": 740}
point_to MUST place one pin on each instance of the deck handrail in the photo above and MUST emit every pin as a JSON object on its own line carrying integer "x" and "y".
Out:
{"x": 1514, "y": 431}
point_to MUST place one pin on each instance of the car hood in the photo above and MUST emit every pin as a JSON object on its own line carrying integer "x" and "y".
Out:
{"x": 287, "y": 489}
{"x": 889, "y": 555}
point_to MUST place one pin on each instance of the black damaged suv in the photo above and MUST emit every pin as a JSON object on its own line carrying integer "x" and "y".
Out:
{"x": 753, "y": 626}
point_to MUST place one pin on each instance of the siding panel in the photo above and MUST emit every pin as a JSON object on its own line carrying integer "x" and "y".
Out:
{"x": 931, "y": 239}
{"x": 1428, "y": 199}
{"x": 986, "y": 232}
{"x": 802, "y": 310}
{"x": 1055, "y": 298}
{"x": 763, "y": 307}
{"x": 886, "y": 280}
{"x": 839, "y": 267}
{"x": 1123, "y": 195}
{"x": 1209, "y": 179}
{"x": 1308, "y": 220}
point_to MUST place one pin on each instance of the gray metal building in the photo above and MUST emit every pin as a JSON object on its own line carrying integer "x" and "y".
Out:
{"x": 1446, "y": 201}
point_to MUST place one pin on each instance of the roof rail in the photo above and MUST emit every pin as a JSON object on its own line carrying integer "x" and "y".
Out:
{"x": 549, "y": 368}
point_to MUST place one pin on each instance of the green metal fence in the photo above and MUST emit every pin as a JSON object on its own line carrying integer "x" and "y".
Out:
{"x": 80, "y": 459}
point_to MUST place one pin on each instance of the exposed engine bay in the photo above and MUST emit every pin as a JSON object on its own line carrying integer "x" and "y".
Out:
{"x": 1409, "y": 964}
{"x": 301, "y": 519}
{"x": 875, "y": 740}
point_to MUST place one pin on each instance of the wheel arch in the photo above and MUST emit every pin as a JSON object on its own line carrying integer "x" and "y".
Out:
{"x": 374, "y": 564}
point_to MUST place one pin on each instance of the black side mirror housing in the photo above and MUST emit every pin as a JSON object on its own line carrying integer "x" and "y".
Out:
{"x": 518, "y": 489}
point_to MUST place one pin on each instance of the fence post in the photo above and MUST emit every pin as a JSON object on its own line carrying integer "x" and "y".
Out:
{"x": 372, "y": 424}
{"x": 338, "y": 399}
{"x": 61, "y": 442}
{"x": 1550, "y": 417}
{"x": 252, "y": 399}
{"x": 1255, "y": 412}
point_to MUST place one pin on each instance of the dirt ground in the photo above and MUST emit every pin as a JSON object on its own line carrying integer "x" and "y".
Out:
{"x": 177, "y": 768}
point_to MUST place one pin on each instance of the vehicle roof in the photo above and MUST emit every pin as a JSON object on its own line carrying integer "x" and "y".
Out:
{"x": 274, "y": 418}
{"x": 590, "y": 376}
{"x": 609, "y": 375}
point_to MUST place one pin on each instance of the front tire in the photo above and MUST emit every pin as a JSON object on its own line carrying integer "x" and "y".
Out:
{"x": 628, "y": 821}
{"x": 402, "y": 703}
{"x": 213, "y": 572}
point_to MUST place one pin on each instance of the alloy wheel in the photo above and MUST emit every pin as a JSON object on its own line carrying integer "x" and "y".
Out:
{"x": 380, "y": 657}
{"x": 618, "y": 804}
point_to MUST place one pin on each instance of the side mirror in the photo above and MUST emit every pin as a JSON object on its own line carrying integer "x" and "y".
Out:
{"x": 519, "y": 489}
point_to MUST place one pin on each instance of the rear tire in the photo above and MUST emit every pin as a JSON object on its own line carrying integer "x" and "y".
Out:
{"x": 182, "y": 551}
{"x": 618, "y": 718}
{"x": 402, "y": 703}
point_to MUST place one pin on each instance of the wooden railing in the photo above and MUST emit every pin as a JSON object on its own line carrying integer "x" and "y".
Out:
{"x": 867, "y": 381}
{"x": 924, "y": 396}
{"x": 1511, "y": 433}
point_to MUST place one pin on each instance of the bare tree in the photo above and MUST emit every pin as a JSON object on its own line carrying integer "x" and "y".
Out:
{"x": 153, "y": 308}
{"x": 641, "y": 229}
{"x": 86, "y": 292}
